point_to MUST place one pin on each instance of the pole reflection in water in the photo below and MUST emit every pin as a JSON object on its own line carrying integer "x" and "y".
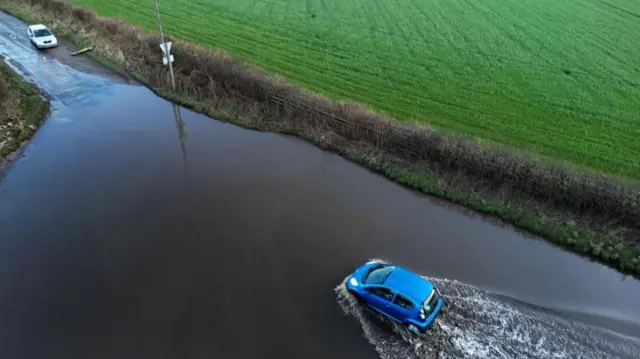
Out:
{"x": 182, "y": 135}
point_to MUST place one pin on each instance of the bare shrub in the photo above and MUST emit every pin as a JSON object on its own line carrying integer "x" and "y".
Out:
{"x": 3, "y": 90}
{"x": 9, "y": 102}
{"x": 83, "y": 15}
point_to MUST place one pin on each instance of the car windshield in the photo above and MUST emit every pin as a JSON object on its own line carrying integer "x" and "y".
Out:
{"x": 432, "y": 301}
{"x": 41, "y": 33}
{"x": 378, "y": 274}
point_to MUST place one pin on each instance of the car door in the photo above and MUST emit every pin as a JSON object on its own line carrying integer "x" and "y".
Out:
{"x": 402, "y": 308}
{"x": 379, "y": 298}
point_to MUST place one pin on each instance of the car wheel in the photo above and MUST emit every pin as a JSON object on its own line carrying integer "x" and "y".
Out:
{"x": 413, "y": 329}
{"x": 356, "y": 295}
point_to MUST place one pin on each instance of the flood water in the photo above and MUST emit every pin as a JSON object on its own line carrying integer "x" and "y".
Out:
{"x": 133, "y": 228}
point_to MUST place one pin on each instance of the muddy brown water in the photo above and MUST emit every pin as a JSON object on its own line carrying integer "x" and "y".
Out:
{"x": 134, "y": 228}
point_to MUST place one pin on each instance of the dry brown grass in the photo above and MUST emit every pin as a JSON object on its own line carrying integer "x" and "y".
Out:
{"x": 214, "y": 78}
{"x": 20, "y": 106}
{"x": 3, "y": 90}
{"x": 9, "y": 103}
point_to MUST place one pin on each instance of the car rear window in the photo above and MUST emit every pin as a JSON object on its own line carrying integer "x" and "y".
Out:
{"x": 41, "y": 33}
{"x": 378, "y": 274}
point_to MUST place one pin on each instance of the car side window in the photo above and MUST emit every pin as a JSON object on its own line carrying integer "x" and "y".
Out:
{"x": 381, "y": 292}
{"x": 403, "y": 302}
{"x": 30, "y": 33}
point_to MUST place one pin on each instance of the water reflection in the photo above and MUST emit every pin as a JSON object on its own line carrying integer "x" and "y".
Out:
{"x": 180, "y": 127}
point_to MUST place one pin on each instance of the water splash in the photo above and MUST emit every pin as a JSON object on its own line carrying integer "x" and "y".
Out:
{"x": 479, "y": 324}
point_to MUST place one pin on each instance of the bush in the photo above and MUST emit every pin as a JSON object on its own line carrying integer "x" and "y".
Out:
{"x": 3, "y": 90}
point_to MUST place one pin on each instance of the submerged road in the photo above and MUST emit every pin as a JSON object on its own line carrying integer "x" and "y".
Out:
{"x": 132, "y": 228}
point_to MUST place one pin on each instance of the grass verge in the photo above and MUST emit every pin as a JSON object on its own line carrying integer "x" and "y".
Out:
{"x": 22, "y": 110}
{"x": 588, "y": 213}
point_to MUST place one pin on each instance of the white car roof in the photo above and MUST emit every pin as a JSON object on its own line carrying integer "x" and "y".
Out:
{"x": 37, "y": 27}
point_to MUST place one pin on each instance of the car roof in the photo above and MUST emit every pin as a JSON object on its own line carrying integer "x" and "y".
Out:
{"x": 409, "y": 284}
{"x": 38, "y": 27}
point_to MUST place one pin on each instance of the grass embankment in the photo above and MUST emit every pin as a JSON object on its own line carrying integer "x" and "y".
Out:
{"x": 22, "y": 110}
{"x": 558, "y": 78}
{"x": 588, "y": 213}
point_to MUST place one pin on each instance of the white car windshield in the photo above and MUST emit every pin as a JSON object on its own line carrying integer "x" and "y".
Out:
{"x": 42, "y": 33}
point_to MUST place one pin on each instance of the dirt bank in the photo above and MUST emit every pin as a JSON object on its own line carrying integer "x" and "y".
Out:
{"x": 22, "y": 110}
{"x": 586, "y": 212}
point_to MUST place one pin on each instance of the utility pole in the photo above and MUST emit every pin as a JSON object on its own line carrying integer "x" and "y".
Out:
{"x": 167, "y": 48}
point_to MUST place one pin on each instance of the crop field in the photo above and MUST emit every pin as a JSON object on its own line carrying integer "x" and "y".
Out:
{"x": 558, "y": 78}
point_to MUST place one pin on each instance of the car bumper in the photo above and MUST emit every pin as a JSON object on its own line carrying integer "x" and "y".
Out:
{"x": 423, "y": 326}
{"x": 47, "y": 46}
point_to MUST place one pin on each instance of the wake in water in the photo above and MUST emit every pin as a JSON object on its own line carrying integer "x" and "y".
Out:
{"x": 479, "y": 324}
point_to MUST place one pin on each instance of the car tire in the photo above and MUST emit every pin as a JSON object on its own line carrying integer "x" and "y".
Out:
{"x": 356, "y": 295}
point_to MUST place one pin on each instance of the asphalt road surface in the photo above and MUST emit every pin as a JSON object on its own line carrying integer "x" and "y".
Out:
{"x": 132, "y": 228}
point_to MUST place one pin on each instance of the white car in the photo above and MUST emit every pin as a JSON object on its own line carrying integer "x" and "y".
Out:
{"x": 41, "y": 37}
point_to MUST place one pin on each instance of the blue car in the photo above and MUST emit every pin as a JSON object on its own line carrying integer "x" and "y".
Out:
{"x": 397, "y": 293}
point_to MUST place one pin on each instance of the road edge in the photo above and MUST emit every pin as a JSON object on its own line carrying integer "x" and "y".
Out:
{"x": 34, "y": 109}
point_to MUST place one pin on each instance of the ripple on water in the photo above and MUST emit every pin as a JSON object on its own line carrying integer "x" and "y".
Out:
{"x": 479, "y": 324}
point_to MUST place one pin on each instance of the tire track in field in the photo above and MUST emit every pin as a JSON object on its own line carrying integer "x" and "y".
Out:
{"x": 592, "y": 39}
{"x": 620, "y": 9}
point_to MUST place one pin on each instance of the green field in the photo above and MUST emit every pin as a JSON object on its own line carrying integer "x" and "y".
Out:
{"x": 559, "y": 78}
